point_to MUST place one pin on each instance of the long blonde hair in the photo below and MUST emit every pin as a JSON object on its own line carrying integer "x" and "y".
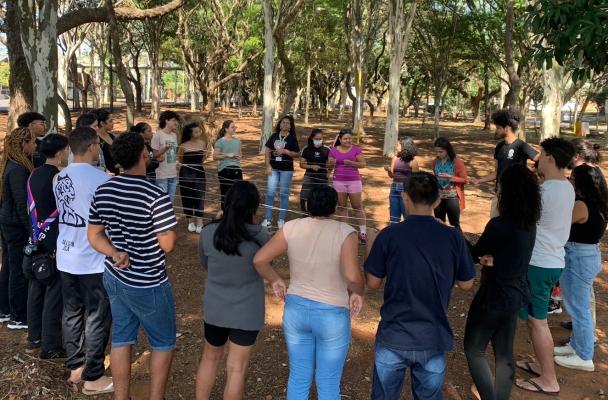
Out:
{"x": 13, "y": 150}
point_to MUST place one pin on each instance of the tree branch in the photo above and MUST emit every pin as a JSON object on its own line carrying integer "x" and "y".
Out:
{"x": 86, "y": 15}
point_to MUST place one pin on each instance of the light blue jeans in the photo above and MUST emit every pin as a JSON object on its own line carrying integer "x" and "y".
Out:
{"x": 282, "y": 180}
{"x": 583, "y": 263}
{"x": 427, "y": 369}
{"x": 317, "y": 337}
{"x": 396, "y": 203}
{"x": 169, "y": 185}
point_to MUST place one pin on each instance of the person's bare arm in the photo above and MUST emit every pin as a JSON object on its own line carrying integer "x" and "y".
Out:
{"x": 262, "y": 262}
{"x": 465, "y": 285}
{"x": 166, "y": 240}
{"x": 414, "y": 165}
{"x": 349, "y": 263}
{"x": 373, "y": 282}
{"x": 96, "y": 234}
{"x": 390, "y": 170}
{"x": 580, "y": 213}
{"x": 488, "y": 178}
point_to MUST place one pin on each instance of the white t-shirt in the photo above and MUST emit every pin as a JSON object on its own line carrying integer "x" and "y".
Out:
{"x": 74, "y": 189}
{"x": 553, "y": 229}
{"x": 168, "y": 167}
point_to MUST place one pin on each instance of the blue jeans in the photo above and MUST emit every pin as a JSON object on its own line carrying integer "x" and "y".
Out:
{"x": 396, "y": 203}
{"x": 153, "y": 308}
{"x": 583, "y": 263}
{"x": 282, "y": 180}
{"x": 169, "y": 185}
{"x": 427, "y": 370}
{"x": 317, "y": 337}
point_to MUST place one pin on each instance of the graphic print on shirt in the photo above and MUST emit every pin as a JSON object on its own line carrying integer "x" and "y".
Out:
{"x": 511, "y": 154}
{"x": 65, "y": 195}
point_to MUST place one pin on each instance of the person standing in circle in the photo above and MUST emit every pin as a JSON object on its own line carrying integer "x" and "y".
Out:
{"x": 145, "y": 130}
{"x": 451, "y": 175}
{"x": 281, "y": 148}
{"x": 400, "y": 170}
{"x": 164, "y": 144}
{"x": 314, "y": 161}
{"x": 233, "y": 307}
{"x": 105, "y": 125}
{"x": 347, "y": 158}
{"x": 192, "y": 153}
{"x": 227, "y": 150}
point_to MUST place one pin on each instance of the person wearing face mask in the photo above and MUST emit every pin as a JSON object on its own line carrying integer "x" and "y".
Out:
{"x": 314, "y": 161}
{"x": 192, "y": 154}
{"x": 509, "y": 151}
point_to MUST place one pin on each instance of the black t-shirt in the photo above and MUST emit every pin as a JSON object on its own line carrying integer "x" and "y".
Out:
{"x": 421, "y": 259}
{"x": 153, "y": 165}
{"x": 504, "y": 286}
{"x": 107, "y": 156}
{"x": 316, "y": 156}
{"x": 41, "y": 184}
{"x": 516, "y": 153}
{"x": 289, "y": 142}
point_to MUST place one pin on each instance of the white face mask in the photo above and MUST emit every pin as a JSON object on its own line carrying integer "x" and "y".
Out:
{"x": 318, "y": 143}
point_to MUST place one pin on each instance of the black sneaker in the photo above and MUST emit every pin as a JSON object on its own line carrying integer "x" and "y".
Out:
{"x": 53, "y": 355}
{"x": 555, "y": 307}
{"x": 5, "y": 317}
{"x": 566, "y": 325}
{"x": 32, "y": 347}
{"x": 14, "y": 325}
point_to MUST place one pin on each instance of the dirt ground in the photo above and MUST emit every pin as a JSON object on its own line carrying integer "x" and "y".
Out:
{"x": 22, "y": 376}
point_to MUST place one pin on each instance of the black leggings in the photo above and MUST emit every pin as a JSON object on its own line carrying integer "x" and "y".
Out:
{"x": 451, "y": 207}
{"x": 227, "y": 177}
{"x": 498, "y": 327}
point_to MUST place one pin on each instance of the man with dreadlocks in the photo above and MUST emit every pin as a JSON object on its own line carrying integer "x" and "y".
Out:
{"x": 15, "y": 167}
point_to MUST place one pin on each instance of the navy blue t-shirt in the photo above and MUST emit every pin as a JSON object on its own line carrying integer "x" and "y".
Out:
{"x": 421, "y": 260}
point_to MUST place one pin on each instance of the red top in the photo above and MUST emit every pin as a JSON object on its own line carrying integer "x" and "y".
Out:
{"x": 459, "y": 179}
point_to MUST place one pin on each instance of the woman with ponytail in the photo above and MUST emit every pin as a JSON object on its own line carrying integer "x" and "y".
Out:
{"x": 15, "y": 168}
{"x": 227, "y": 150}
{"x": 233, "y": 307}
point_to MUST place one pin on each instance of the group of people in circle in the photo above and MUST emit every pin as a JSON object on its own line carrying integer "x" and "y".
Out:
{"x": 84, "y": 249}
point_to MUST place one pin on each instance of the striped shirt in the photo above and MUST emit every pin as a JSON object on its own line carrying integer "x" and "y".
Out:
{"x": 133, "y": 210}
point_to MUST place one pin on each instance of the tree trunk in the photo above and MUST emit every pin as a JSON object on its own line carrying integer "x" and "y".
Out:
{"x": 39, "y": 41}
{"x": 296, "y": 105}
{"x": 120, "y": 67}
{"x": 306, "y": 111}
{"x": 437, "y": 99}
{"x": 343, "y": 96}
{"x": 514, "y": 80}
{"x": 552, "y": 101}
{"x": 155, "y": 77}
{"x": 398, "y": 38}
{"x": 486, "y": 98}
{"x": 19, "y": 83}
{"x": 291, "y": 86}
{"x": 65, "y": 110}
{"x": 268, "y": 98}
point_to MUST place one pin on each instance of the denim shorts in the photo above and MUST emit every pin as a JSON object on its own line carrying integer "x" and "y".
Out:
{"x": 152, "y": 308}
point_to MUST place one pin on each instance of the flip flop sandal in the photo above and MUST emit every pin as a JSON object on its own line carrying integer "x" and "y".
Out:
{"x": 107, "y": 389}
{"x": 527, "y": 367}
{"x": 537, "y": 388}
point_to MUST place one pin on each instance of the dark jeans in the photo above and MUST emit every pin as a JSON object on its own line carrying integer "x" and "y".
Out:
{"x": 497, "y": 327}
{"x": 227, "y": 177}
{"x": 44, "y": 308}
{"x": 13, "y": 284}
{"x": 451, "y": 207}
{"x": 86, "y": 323}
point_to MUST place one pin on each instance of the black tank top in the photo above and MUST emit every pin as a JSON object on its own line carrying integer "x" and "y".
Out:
{"x": 591, "y": 231}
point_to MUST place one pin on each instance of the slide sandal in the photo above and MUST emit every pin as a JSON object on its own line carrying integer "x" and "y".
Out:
{"x": 107, "y": 389}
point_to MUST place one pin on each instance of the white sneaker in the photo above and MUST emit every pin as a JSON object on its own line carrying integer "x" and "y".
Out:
{"x": 14, "y": 325}
{"x": 575, "y": 362}
{"x": 191, "y": 227}
{"x": 199, "y": 228}
{"x": 566, "y": 350}
{"x": 281, "y": 223}
{"x": 266, "y": 223}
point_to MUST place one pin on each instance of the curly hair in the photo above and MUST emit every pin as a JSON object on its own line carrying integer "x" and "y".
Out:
{"x": 13, "y": 151}
{"x": 519, "y": 196}
{"x": 507, "y": 117}
{"x": 408, "y": 149}
{"x": 127, "y": 149}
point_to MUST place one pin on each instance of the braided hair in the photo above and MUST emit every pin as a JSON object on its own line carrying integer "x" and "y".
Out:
{"x": 13, "y": 151}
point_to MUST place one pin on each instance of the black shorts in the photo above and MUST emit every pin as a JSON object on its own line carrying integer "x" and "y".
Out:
{"x": 218, "y": 336}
